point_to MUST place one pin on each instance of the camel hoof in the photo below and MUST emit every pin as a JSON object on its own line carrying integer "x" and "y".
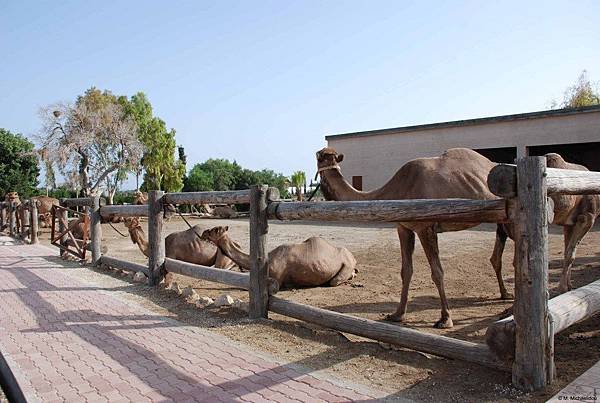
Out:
{"x": 444, "y": 324}
{"x": 395, "y": 317}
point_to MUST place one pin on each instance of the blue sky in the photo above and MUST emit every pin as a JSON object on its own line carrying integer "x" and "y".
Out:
{"x": 264, "y": 82}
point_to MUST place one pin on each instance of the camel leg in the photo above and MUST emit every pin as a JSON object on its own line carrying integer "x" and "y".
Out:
{"x": 224, "y": 262}
{"x": 573, "y": 235}
{"x": 496, "y": 260}
{"x": 407, "y": 245}
{"x": 429, "y": 241}
{"x": 345, "y": 274}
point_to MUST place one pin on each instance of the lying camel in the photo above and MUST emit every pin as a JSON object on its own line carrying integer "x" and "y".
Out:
{"x": 457, "y": 173}
{"x": 575, "y": 213}
{"x": 140, "y": 198}
{"x": 312, "y": 263}
{"x": 182, "y": 245}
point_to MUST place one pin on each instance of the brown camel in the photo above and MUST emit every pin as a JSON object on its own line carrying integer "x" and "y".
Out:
{"x": 312, "y": 263}
{"x": 457, "y": 173}
{"x": 19, "y": 212}
{"x": 140, "y": 198}
{"x": 575, "y": 213}
{"x": 45, "y": 204}
{"x": 182, "y": 245}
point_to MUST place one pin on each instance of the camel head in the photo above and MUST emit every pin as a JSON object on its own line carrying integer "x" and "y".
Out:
{"x": 554, "y": 159}
{"x": 328, "y": 158}
{"x": 12, "y": 196}
{"x": 134, "y": 228}
{"x": 214, "y": 234}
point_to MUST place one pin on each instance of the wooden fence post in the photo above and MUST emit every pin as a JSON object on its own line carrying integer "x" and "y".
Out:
{"x": 95, "y": 230}
{"x": 24, "y": 219}
{"x": 156, "y": 260}
{"x": 12, "y": 218}
{"x": 259, "y": 227}
{"x": 2, "y": 215}
{"x": 63, "y": 217}
{"x": 33, "y": 209}
{"x": 533, "y": 349}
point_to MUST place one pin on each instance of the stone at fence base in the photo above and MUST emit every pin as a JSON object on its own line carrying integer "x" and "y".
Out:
{"x": 140, "y": 277}
{"x": 203, "y": 302}
{"x": 224, "y": 300}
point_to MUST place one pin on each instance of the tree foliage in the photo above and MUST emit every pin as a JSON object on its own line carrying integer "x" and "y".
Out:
{"x": 298, "y": 180}
{"x": 18, "y": 164}
{"x": 161, "y": 170}
{"x": 92, "y": 141}
{"x": 582, "y": 93}
{"x": 222, "y": 174}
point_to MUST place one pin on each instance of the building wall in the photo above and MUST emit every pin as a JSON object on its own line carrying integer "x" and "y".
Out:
{"x": 376, "y": 157}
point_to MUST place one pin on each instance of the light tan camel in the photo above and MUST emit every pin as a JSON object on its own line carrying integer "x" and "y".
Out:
{"x": 140, "y": 198}
{"x": 182, "y": 245}
{"x": 19, "y": 212}
{"x": 312, "y": 263}
{"x": 575, "y": 213}
{"x": 45, "y": 204}
{"x": 457, "y": 173}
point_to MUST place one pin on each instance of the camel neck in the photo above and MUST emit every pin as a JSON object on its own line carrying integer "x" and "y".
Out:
{"x": 233, "y": 251}
{"x": 139, "y": 238}
{"x": 336, "y": 187}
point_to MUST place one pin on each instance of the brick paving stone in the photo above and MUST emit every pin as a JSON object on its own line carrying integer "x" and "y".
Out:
{"x": 72, "y": 340}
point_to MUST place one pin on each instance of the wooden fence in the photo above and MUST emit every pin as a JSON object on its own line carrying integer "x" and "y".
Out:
{"x": 522, "y": 344}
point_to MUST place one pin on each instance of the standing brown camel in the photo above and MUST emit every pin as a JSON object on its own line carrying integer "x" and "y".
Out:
{"x": 45, "y": 209}
{"x": 182, "y": 245}
{"x": 575, "y": 213}
{"x": 312, "y": 263}
{"x": 457, "y": 173}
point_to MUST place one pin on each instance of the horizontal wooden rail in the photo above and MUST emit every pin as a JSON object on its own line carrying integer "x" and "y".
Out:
{"x": 124, "y": 264}
{"x": 107, "y": 212}
{"x": 565, "y": 310}
{"x": 428, "y": 210}
{"x": 502, "y": 181}
{"x": 240, "y": 280}
{"x": 389, "y": 333}
{"x": 73, "y": 202}
{"x": 221, "y": 197}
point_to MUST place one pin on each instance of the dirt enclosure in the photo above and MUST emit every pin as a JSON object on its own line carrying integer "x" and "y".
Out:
{"x": 471, "y": 287}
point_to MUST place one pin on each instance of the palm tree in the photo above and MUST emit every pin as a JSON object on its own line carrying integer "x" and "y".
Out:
{"x": 298, "y": 180}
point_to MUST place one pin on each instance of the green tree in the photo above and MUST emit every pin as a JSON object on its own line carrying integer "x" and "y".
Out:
{"x": 582, "y": 93}
{"x": 161, "y": 170}
{"x": 199, "y": 180}
{"x": 18, "y": 164}
{"x": 298, "y": 180}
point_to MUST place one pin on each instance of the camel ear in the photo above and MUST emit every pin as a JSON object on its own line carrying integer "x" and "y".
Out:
{"x": 226, "y": 228}
{"x": 339, "y": 158}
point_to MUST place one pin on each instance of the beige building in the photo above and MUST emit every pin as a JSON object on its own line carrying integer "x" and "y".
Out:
{"x": 372, "y": 157}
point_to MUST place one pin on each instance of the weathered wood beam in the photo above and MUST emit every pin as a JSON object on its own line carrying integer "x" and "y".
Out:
{"x": 533, "y": 366}
{"x": 565, "y": 310}
{"x": 96, "y": 230}
{"x": 236, "y": 279}
{"x": 502, "y": 181}
{"x": 156, "y": 241}
{"x": 108, "y": 212}
{"x": 259, "y": 276}
{"x": 220, "y": 197}
{"x": 427, "y": 210}
{"x": 35, "y": 219}
{"x": 389, "y": 333}
{"x": 123, "y": 264}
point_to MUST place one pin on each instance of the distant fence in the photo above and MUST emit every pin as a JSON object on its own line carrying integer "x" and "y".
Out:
{"x": 524, "y": 188}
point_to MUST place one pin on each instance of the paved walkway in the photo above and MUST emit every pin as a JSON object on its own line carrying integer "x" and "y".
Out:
{"x": 586, "y": 388}
{"x": 67, "y": 340}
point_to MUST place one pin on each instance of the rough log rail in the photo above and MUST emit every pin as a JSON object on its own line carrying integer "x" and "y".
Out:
{"x": 240, "y": 280}
{"x": 502, "y": 181}
{"x": 77, "y": 202}
{"x": 425, "y": 210}
{"x": 388, "y": 333}
{"x": 123, "y": 264}
{"x": 108, "y": 212}
{"x": 565, "y": 310}
{"x": 222, "y": 197}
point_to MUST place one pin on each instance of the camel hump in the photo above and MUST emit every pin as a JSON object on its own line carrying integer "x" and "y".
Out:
{"x": 461, "y": 153}
{"x": 554, "y": 160}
